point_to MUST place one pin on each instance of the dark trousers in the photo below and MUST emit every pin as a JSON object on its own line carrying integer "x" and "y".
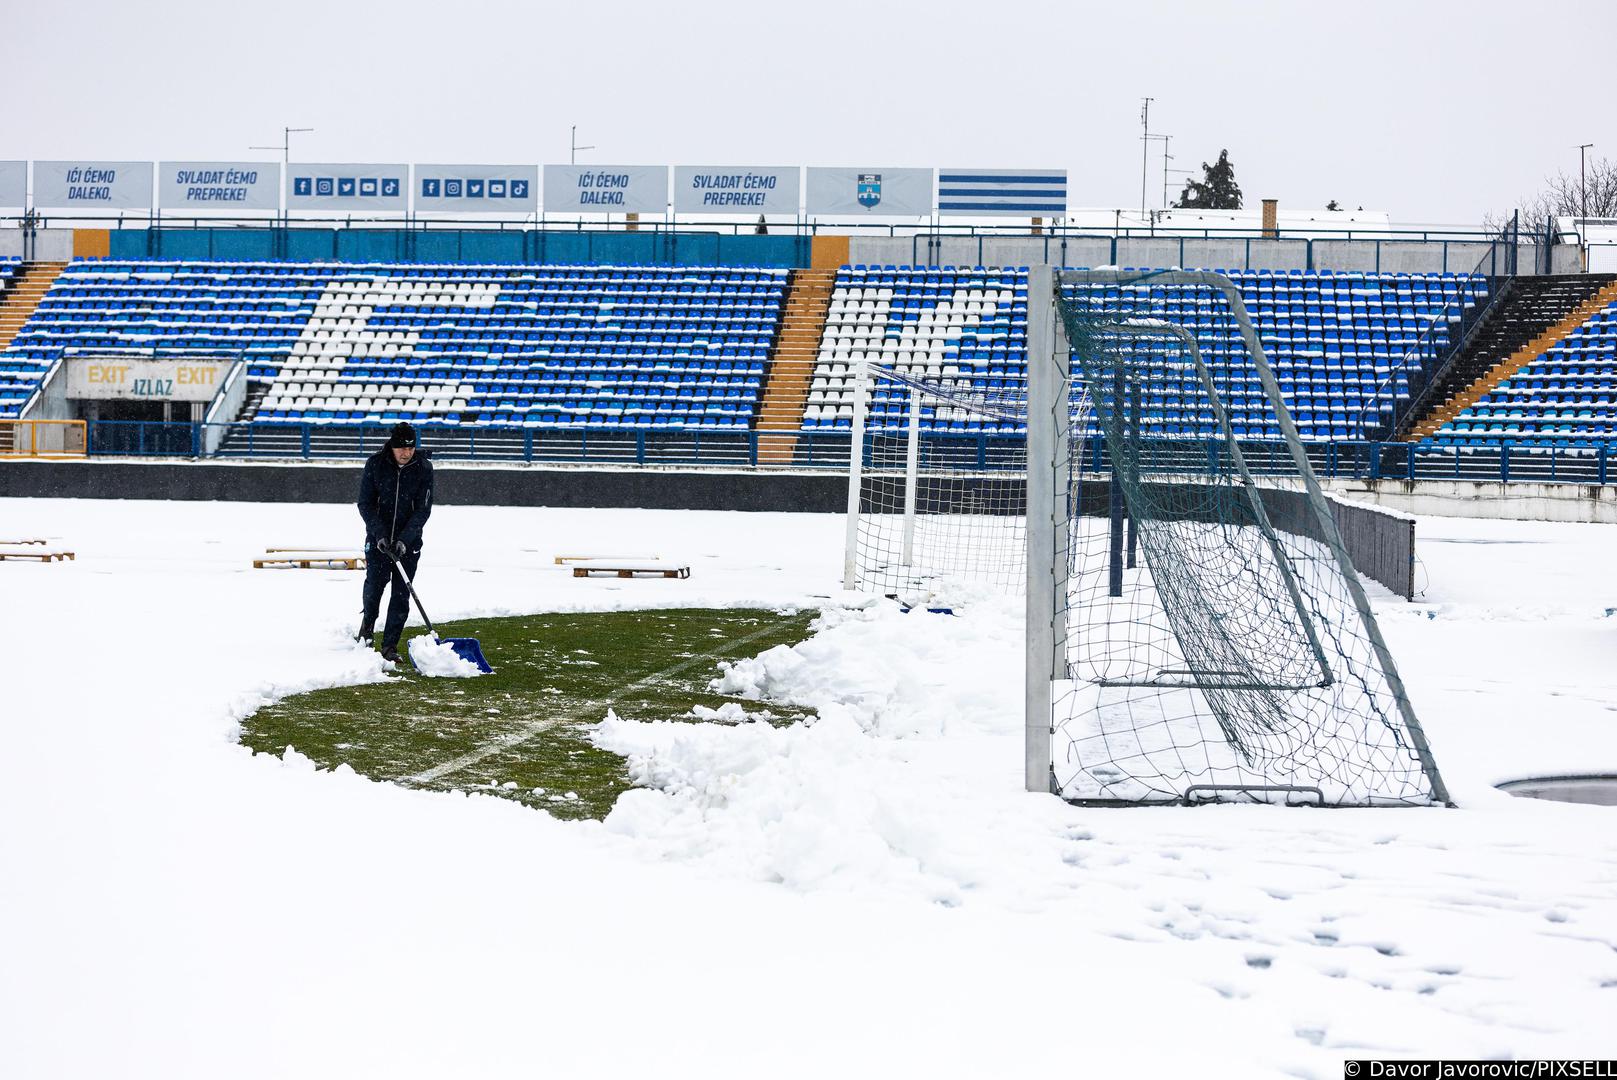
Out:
{"x": 379, "y": 570}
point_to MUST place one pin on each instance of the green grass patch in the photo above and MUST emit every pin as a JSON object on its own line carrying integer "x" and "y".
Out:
{"x": 561, "y": 669}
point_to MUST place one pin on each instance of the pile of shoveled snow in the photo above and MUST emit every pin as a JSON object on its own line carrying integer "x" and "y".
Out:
{"x": 838, "y": 801}
{"x": 896, "y": 673}
{"x": 438, "y": 658}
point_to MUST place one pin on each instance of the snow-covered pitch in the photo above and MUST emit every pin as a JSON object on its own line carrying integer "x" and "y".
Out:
{"x": 869, "y": 895}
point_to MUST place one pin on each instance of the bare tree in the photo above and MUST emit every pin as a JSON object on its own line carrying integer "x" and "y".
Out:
{"x": 1563, "y": 196}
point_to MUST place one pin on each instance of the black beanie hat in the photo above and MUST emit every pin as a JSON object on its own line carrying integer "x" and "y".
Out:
{"x": 401, "y": 435}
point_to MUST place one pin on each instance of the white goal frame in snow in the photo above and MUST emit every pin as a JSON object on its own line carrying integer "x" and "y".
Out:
{"x": 1362, "y": 699}
{"x": 927, "y": 511}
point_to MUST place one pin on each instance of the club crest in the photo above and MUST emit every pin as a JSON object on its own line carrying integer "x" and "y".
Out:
{"x": 869, "y": 190}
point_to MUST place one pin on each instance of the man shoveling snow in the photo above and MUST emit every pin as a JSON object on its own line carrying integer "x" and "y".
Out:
{"x": 395, "y": 499}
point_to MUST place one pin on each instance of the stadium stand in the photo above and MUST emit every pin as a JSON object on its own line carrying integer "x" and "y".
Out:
{"x": 931, "y": 323}
{"x": 11, "y": 379}
{"x": 514, "y": 347}
{"x": 1568, "y": 394}
{"x": 492, "y": 346}
{"x": 1339, "y": 341}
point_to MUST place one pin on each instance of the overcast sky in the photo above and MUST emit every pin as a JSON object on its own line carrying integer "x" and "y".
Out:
{"x": 1432, "y": 111}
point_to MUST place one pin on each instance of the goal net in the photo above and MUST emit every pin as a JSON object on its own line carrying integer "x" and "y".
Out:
{"x": 1203, "y": 635}
{"x": 937, "y": 496}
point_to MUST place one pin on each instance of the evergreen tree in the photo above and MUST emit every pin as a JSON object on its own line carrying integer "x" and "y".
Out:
{"x": 1217, "y": 189}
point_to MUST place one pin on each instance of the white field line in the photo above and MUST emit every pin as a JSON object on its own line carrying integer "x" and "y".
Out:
{"x": 528, "y": 731}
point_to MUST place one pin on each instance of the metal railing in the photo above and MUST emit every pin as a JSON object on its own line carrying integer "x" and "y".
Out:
{"x": 1426, "y": 360}
{"x": 1585, "y": 462}
{"x": 1125, "y": 225}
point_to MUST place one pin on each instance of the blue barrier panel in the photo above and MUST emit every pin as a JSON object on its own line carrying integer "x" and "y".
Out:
{"x": 778, "y": 251}
{"x": 561, "y": 248}
{"x": 311, "y": 245}
{"x": 187, "y": 244}
{"x": 243, "y": 245}
{"x": 438, "y": 246}
{"x": 130, "y": 244}
{"x": 370, "y": 245}
{"x": 557, "y": 247}
{"x": 696, "y": 249}
{"x": 488, "y": 247}
{"x": 627, "y": 249}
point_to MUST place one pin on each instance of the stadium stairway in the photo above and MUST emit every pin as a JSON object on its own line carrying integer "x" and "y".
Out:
{"x": 780, "y": 414}
{"x": 27, "y": 289}
{"x": 1538, "y": 313}
{"x": 257, "y": 391}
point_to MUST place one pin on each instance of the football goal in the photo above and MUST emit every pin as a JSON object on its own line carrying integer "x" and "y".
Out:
{"x": 1195, "y": 629}
{"x": 937, "y": 494}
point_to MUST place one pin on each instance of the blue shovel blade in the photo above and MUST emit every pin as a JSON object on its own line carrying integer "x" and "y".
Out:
{"x": 470, "y": 651}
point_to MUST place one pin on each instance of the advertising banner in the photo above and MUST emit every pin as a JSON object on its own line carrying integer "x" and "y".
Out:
{"x": 477, "y": 189}
{"x": 93, "y": 185}
{"x": 736, "y": 190}
{"x": 606, "y": 189}
{"x": 870, "y": 192}
{"x": 326, "y": 186}
{"x": 219, "y": 185}
{"x": 1009, "y": 192}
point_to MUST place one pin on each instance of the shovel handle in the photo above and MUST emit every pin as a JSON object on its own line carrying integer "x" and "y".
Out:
{"x": 398, "y": 568}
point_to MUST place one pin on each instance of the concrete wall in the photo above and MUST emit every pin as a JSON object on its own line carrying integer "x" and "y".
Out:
{"x": 53, "y": 245}
{"x": 53, "y": 403}
{"x": 1379, "y": 545}
{"x": 1513, "y": 501}
{"x": 50, "y": 245}
{"x": 1566, "y": 259}
{"x": 456, "y": 486}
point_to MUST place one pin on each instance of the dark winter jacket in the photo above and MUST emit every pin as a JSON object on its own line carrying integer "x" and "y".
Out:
{"x": 396, "y": 502}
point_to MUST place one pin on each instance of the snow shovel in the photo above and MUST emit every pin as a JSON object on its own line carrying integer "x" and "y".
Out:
{"x": 467, "y": 648}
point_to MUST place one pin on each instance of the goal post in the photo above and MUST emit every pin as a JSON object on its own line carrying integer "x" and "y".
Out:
{"x": 936, "y": 483}
{"x": 1239, "y": 658}
{"x": 1048, "y": 485}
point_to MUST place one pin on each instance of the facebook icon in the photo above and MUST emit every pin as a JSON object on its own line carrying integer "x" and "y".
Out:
{"x": 302, "y": 185}
{"x": 431, "y": 188}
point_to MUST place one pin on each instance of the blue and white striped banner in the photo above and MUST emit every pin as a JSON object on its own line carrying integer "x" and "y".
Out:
{"x": 1012, "y": 192}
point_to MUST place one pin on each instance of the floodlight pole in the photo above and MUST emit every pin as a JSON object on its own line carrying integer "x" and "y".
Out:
{"x": 572, "y": 153}
{"x": 1583, "y": 182}
{"x": 286, "y": 156}
{"x": 1145, "y": 148}
{"x": 286, "y": 144}
{"x": 1583, "y": 200}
